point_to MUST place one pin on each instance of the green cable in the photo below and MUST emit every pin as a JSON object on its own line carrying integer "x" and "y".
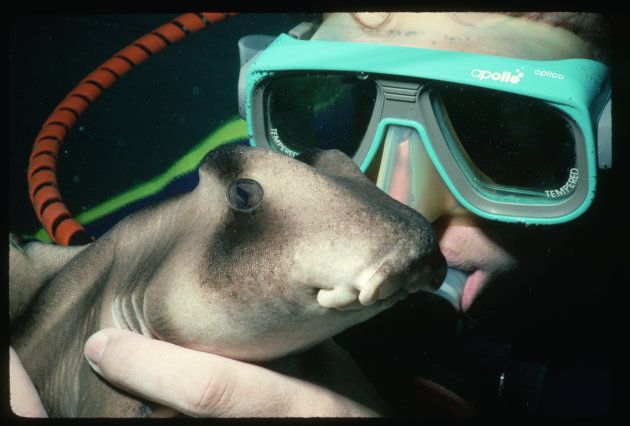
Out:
{"x": 235, "y": 129}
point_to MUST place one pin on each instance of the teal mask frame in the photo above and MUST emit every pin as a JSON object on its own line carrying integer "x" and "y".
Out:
{"x": 579, "y": 88}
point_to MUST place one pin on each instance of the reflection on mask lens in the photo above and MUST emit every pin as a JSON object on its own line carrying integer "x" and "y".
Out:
{"x": 510, "y": 140}
{"x": 325, "y": 111}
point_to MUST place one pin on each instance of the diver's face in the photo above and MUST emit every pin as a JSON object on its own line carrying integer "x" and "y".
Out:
{"x": 468, "y": 242}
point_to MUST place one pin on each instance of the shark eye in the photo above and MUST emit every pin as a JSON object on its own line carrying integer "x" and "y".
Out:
{"x": 244, "y": 195}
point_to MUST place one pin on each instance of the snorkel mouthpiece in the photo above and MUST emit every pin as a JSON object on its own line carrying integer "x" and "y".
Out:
{"x": 408, "y": 175}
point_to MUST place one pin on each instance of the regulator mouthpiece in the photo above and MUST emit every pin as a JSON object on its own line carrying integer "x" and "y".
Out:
{"x": 452, "y": 288}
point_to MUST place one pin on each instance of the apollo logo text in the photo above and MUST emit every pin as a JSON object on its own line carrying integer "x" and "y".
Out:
{"x": 503, "y": 76}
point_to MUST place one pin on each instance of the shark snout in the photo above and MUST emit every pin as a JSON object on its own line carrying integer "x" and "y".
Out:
{"x": 391, "y": 278}
{"x": 426, "y": 272}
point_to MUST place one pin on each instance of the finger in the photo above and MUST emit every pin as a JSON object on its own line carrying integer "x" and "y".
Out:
{"x": 25, "y": 400}
{"x": 202, "y": 384}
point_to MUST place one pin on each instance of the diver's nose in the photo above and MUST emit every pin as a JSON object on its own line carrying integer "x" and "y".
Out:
{"x": 408, "y": 175}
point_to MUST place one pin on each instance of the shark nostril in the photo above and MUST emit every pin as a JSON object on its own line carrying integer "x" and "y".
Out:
{"x": 389, "y": 287}
{"x": 336, "y": 297}
{"x": 416, "y": 280}
{"x": 368, "y": 295}
{"x": 413, "y": 278}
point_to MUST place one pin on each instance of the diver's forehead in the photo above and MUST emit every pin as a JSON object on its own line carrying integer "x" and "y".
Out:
{"x": 477, "y": 32}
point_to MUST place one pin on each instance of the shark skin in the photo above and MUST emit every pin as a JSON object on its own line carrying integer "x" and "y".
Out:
{"x": 266, "y": 258}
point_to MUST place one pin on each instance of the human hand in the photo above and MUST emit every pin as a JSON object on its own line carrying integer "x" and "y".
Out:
{"x": 25, "y": 400}
{"x": 205, "y": 385}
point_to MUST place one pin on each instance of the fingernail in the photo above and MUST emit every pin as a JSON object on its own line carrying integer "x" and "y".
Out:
{"x": 94, "y": 348}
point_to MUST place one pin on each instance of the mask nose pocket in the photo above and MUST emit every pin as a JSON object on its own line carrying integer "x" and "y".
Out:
{"x": 407, "y": 174}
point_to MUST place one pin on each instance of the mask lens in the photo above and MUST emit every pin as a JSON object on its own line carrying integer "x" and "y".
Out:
{"x": 509, "y": 142}
{"x": 325, "y": 111}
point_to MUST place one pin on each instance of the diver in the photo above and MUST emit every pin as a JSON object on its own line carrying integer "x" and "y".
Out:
{"x": 477, "y": 144}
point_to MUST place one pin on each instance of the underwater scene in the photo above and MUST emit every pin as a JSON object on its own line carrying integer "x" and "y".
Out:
{"x": 538, "y": 342}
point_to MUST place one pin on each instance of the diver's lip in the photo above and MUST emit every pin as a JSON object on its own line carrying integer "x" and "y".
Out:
{"x": 476, "y": 279}
{"x": 475, "y": 282}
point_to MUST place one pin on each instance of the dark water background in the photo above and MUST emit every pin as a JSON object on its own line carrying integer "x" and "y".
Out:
{"x": 563, "y": 317}
{"x": 139, "y": 126}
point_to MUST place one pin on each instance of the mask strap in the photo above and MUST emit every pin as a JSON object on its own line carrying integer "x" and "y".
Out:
{"x": 249, "y": 47}
{"x": 604, "y": 137}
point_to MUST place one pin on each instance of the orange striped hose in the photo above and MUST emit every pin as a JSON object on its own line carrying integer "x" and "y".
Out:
{"x": 42, "y": 168}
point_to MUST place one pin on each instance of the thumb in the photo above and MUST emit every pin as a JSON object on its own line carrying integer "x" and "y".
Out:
{"x": 205, "y": 385}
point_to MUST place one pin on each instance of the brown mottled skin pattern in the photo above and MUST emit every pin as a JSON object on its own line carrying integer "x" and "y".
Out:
{"x": 196, "y": 272}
